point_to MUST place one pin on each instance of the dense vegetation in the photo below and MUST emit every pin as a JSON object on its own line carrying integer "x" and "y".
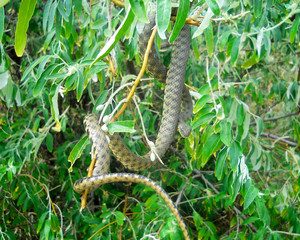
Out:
{"x": 235, "y": 177}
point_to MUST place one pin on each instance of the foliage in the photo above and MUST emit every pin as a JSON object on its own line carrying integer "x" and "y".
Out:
{"x": 235, "y": 176}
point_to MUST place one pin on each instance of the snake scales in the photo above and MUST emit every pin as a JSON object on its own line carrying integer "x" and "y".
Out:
{"x": 175, "y": 112}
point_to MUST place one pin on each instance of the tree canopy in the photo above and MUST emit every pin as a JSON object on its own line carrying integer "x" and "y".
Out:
{"x": 235, "y": 177}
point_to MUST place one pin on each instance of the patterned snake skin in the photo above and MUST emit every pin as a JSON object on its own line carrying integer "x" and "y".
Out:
{"x": 175, "y": 112}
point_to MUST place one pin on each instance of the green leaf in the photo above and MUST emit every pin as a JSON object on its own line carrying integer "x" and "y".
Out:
{"x": 54, "y": 90}
{"x": 201, "y": 102}
{"x": 80, "y": 85}
{"x": 78, "y": 6}
{"x": 182, "y": 13}
{"x": 206, "y": 118}
{"x": 32, "y": 66}
{"x": 54, "y": 223}
{"x": 226, "y": 133}
{"x": 120, "y": 217}
{"x": 246, "y": 126}
{"x": 235, "y": 152}
{"x": 209, "y": 40}
{"x": 77, "y": 150}
{"x": 294, "y": 28}
{"x": 235, "y": 50}
{"x": 250, "y": 61}
{"x": 262, "y": 211}
{"x": 41, "y": 221}
{"x": 47, "y": 228}
{"x": 259, "y": 126}
{"x": 4, "y": 79}
{"x": 2, "y": 16}
{"x": 49, "y": 142}
{"x": 46, "y": 15}
{"x": 163, "y": 13}
{"x": 240, "y": 114}
{"x": 250, "y": 196}
{"x": 220, "y": 163}
{"x": 212, "y": 145}
{"x": 213, "y": 5}
{"x": 101, "y": 99}
{"x": 139, "y": 10}
{"x": 3, "y": 2}
{"x": 43, "y": 79}
{"x": 25, "y": 13}
{"x": 197, "y": 219}
{"x": 257, "y": 4}
{"x": 116, "y": 37}
{"x": 121, "y": 126}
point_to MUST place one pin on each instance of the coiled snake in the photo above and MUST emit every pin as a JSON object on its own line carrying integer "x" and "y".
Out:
{"x": 175, "y": 112}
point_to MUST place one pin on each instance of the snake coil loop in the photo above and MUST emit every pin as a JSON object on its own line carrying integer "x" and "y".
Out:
{"x": 173, "y": 115}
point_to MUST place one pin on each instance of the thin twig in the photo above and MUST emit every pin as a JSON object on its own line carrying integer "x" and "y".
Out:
{"x": 277, "y": 118}
{"x": 278, "y": 138}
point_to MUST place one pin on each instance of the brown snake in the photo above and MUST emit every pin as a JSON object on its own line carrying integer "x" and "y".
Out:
{"x": 173, "y": 115}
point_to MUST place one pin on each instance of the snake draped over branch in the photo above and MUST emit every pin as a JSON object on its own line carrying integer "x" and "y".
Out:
{"x": 175, "y": 113}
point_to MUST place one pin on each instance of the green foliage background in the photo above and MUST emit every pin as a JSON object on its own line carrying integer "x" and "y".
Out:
{"x": 235, "y": 176}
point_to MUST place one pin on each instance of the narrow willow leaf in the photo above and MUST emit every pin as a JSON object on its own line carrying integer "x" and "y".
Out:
{"x": 209, "y": 39}
{"x": 58, "y": 23}
{"x": 269, "y": 4}
{"x": 43, "y": 79}
{"x": 46, "y": 15}
{"x": 32, "y": 66}
{"x": 250, "y": 196}
{"x": 139, "y": 10}
{"x": 52, "y": 16}
{"x": 54, "y": 90}
{"x": 259, "y": 42}
{"x": 235, "y": 50}
{"x": 120, "y": 217}
{"x": 101, "y": 99}
{"x": 250, "y": 61}
{"x": 223, "y": 40}
{"x": 259, "y": 126}
{"x": 257, "y": 4}
{"x": 3, "y": 2}
{"x": 294, "y": 28}
{"x": 206, "y": 118}
{"x": 240, "y": 114}
{"x": 182, "y": 13}
{"x": 80, "y": 85}
{"x": 116, "y": 37}
{"x": 262, "y": 211}
{"x": 25, "y": 13}
{"x": 219, "y": 169}
{"x": 121, "y": 126}
{"x": 41, "y": 221}
{"x": 49, "y": 142}
{"x": 212, "y": 145}
{"x": 55, "y": 226}
{"x": 163, "y": 13}
{"x": 78, "y": 6}
{"x": 226, "y": 133}
{"x": 235, "y": 152}
{"x": 4, "y": 79}
{"x": 77, "y": 150}
{"x": 246, "y": 126}
{"x": 197, "y": 219}
{"x": 204, "y": 24}
{"x": 213, "y": 5}
{"x": 2, "y": 15}
{"x": 201, "y": 102}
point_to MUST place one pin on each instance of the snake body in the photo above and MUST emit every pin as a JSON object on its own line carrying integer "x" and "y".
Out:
{"x": 172, "y": 115}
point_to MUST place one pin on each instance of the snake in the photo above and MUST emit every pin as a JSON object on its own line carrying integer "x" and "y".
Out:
{"x": 177, "y": 108}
